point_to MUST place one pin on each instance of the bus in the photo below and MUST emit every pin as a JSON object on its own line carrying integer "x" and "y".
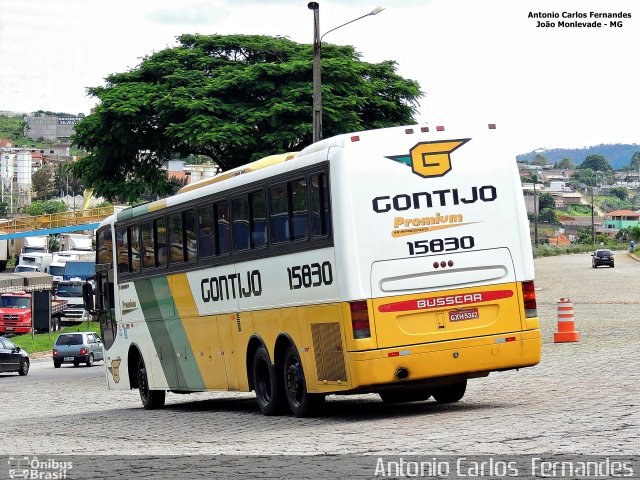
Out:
{"x": 394, "y": 261}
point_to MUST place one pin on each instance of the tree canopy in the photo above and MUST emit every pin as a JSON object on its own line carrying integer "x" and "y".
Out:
{"x": 596, "y": 163}
{"x": 634, "y": 163}
{"x": 566, "y": 163}
{"x": 232, "y": 98}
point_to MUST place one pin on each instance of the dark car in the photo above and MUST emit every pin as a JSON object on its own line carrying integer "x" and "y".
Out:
{"x": 602, "y": 257}
{"x": 13, "y": 358}
{"x": 77, "y": 348}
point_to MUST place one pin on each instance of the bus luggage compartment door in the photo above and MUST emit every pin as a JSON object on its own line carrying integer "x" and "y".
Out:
{"x": 469, "y": 294}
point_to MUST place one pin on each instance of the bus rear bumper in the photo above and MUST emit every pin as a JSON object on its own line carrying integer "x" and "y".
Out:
{"x": 465, "y": 358}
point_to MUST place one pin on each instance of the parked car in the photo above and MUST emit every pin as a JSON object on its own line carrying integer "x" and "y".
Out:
{"x": 77, "y": 348}
{"x": 602, "y": 257}
{"x": 13, "y": 358}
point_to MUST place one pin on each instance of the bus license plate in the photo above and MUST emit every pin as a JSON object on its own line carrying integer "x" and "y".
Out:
{"x": 459, "y": 315}
{"x": 68, "y": 359}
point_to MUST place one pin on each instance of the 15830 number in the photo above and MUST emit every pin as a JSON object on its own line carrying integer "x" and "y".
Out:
{"x": 307, "y": 276}
{"x": 437, "y": 245}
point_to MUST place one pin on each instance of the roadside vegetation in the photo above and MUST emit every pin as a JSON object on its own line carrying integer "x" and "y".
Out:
{"x": 41, "y": 342}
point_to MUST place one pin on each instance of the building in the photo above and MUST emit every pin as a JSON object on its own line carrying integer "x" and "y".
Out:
{"x": 621, "y": 219}
{"x": 50, "y": 128}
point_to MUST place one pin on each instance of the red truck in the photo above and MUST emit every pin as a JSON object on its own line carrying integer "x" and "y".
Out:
{"x": 15, "y": 313}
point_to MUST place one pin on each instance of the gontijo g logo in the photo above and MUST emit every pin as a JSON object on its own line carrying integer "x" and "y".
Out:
{"x": 430, "y": 159}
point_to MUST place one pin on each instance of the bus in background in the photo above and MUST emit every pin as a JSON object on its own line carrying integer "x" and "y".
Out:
{"x": 394, "y": 261}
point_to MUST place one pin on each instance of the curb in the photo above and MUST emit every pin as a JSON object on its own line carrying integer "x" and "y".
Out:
{"x": 633, "y": 256}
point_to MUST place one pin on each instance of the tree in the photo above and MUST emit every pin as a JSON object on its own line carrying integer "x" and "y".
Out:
{"x": 566, "y": 163}
{"x": 66, "y": 181}
{"x": 634, "y": 164}
{"x": 46, "y": 207}
{"x": 232, "y": 98}
{"x": 539, "y": 160}
{"x": 42, "y": 183}
{"x": 547, "y": 215}
{"x": 596, "y": 163}
{"x": 620, "y": 192}
{"x": 546, "y": 200}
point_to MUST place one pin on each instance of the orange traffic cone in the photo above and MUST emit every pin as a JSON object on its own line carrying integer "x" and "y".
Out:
{"x": 566, "y": 328}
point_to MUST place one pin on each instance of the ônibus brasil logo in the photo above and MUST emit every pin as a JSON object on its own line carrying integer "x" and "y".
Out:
{"x": 430, "y": 159}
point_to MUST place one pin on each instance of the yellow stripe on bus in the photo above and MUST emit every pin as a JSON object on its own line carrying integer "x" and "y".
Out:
{"x": 202, "y": 333}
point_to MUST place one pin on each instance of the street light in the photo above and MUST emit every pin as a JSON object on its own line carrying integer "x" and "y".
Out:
{"x": 593, "y": 227}
{"x": 535, "y": 200}
{"x": 317, "y": 54}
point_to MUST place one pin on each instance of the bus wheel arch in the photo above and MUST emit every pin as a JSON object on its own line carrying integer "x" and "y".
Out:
{"x": 133, "y": 358}
{"x": 255, "y": 343}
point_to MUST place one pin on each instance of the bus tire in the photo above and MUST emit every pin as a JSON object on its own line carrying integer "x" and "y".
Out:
{"x": 301, "y": 402}
{"x": 151, "y": 399}
{"x": 268, "y": 384}
{"x": 404, "y": 397}
{"x": 451, "y": 393}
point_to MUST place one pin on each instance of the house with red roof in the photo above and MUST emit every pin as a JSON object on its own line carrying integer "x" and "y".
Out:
{"x": 620, "y": 219}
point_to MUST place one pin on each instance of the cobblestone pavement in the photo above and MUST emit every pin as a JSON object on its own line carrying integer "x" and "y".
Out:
{"x": 583, "y": 398}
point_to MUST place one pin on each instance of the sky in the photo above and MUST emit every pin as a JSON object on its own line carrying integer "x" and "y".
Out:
{"x": 478, "y": 61}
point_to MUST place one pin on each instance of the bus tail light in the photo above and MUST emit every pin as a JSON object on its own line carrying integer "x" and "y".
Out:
{"x": 529, "y": 296}
{"x": 360, "y": 319}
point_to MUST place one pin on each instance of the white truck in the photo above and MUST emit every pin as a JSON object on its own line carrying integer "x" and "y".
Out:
{"x": 71, "y": 291}
{"x": 59, "y": 261}
{"x": 76, "y": 242}
{"x": 39, "y": 244}
{"x": 34, "y": 262}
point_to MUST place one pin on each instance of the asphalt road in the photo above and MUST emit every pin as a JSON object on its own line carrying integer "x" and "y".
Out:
{"x": 584, "y": 398}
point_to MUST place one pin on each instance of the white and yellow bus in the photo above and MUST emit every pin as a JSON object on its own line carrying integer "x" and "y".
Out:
{"x": 394, "y": 261}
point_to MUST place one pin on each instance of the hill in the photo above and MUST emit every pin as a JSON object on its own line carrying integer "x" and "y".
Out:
{"x": 618, "y": 155}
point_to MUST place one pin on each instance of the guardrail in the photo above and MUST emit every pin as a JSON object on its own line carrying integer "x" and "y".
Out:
{"x": 56, "y": 220}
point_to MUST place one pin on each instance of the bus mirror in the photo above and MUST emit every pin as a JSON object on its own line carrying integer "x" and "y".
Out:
{"x": 87, "y": 296}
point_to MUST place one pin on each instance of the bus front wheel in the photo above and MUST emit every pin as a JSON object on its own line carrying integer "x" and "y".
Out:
{"x": 151, "y": 399}
{"x": 267, "y": 384}
{"x": 301, "y": 402}
{"x": 451, "y": 393}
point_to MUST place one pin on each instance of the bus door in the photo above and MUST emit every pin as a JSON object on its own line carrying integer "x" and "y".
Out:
{"x": 105, "y": 304}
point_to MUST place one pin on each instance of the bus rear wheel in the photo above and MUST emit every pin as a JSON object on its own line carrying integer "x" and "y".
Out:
{"x": 151, "y": 399}
{"x": 301, "y": 402}
{"x": 451, "y": 393}
{"x": 268, "y": 384}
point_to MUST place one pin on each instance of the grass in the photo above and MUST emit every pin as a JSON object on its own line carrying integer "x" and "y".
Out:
{"x": 41, "y": 341}
{"x": 579, "y": 210}
{"x": 550, "y": 250}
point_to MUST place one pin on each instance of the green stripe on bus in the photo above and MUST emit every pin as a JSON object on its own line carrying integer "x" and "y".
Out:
{"x": 168, "y": 335}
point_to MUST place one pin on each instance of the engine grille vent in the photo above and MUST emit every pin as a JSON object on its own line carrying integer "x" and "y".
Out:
{"x": 327, "y": 345}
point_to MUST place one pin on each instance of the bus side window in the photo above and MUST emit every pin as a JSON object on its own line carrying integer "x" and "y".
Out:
{"x": 258, "y": 210}
{"x": 191, "y": 238}
{"x": 122, "y": 250}
{"x": 206, "y": 228}
{"x": 240, "y": 219}
{"x": 176, "y": 240}
{"x": 223, "y": 238}
{"x": 104, "y": 245}
{"x": 320, "y": 221}
{"x": 134, "y": 252}
{"x": 300, "y": 209}
{"x": 147, "y": 249}
{"x": 279, "y": 214}
{"x": 160, "y": 235}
